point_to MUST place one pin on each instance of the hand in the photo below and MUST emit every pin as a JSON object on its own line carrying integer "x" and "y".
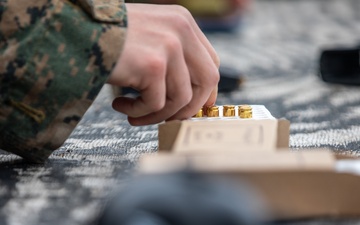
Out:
{"x": 169, "y": 61}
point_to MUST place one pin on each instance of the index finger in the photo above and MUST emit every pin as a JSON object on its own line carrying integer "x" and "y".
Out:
{"x": 151, "y": 100}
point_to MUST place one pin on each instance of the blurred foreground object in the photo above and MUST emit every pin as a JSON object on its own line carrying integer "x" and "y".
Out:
{"x": 340, "y": 65}
{"x": 183, "y": 199}
{"x": 211, "y": 15}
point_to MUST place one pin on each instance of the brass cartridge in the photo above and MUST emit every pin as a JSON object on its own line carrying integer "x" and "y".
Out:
{"x": 229, "y": 110}
{"x": 213, "y": 111}
{"x": 199, "y": 114}
{"x": 245, "y": 111}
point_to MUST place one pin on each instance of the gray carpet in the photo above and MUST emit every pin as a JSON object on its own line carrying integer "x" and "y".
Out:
{"x": 276, "y": 48}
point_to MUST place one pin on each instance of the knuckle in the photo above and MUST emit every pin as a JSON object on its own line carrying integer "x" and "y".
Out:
{"x": 185, "y": 98}
{"x": 157, "y": 105}
{"x": 181, "y": 19}
{"x": 182, "y": 10}
{"x": 182, "y": 23}
{"x": 172, "y": 43}
{"x": 216, "y": 59}
{"x": 214, "y": 77}
{"x": 155, "y": 66}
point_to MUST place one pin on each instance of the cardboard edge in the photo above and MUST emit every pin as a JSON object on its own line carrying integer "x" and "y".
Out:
{"x": 283, "y": 135}
{"x": 167, "y": 135}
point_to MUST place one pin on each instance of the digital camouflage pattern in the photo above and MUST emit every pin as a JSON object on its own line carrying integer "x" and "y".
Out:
{"x": 55, "y": 56}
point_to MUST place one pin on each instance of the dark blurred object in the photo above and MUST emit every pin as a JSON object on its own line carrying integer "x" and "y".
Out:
{"x": 211, "y": 15}
{"x": 183, "y": 199}
{"x": 230, "y": 79}
{"x": 340, "y": 66}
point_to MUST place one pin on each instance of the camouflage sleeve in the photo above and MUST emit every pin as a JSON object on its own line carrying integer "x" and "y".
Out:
{"x": 55, "y": 56}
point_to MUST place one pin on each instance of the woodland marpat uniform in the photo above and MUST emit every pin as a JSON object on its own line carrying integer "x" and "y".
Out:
{"x": 55, "y": 55}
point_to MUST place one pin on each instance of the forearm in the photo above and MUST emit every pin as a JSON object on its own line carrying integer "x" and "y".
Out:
{"x": 54, "y": 59}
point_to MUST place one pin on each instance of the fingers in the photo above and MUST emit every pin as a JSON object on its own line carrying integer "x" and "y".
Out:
{"x": 204, "y": 76}
{"x": 169, "y": 61}
{"x": 151, "y": 82}
{"x": 178, "y": 86}
{"x": 202, "y": 95}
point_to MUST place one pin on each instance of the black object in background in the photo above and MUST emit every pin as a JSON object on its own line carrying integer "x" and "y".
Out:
{"x": 340, "y": 66}
{"x": 183, "y": 199}
{"x": 230, "y": 79}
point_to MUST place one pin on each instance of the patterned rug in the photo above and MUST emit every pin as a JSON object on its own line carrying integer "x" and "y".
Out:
{"x": 276, "y": 48}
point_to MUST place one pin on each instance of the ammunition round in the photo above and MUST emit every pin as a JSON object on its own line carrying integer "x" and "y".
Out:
{"x": 199, "y": 114}
{"x": 245, "y": 111}
{"x": 229, "y": 110}
{"x": 213, "y": 111}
